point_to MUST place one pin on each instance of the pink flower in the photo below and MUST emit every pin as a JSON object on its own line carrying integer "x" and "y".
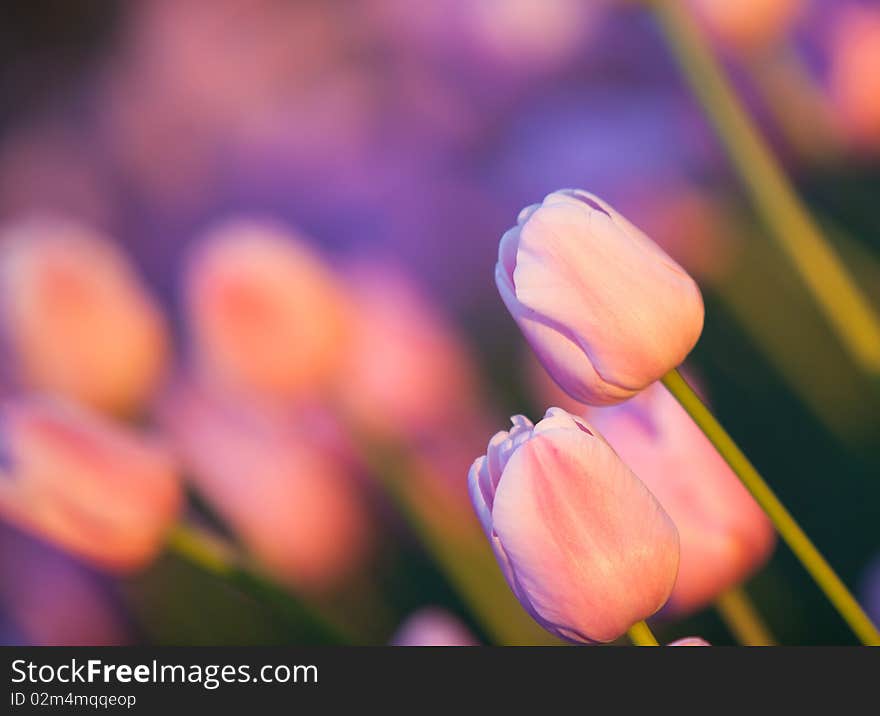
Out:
{"x": 407, "y": 371}
{"x": 97, "y": 489}
{"x": 432, "y": 626}
{"x": 77, "y": 317}
{"x": 606, "y": 311}
{"x": 689, "y": 641}
{"x": 855, "y": 74}
{"x": 288, "y": 495}
{"x": 266, "y": 316}
{"x": 581, "y": 541}
{"x": 748, "y": 23}
{"x": 725, "y": 536}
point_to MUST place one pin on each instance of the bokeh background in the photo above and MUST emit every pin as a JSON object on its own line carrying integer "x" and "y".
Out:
{"x": 409, "y": 134}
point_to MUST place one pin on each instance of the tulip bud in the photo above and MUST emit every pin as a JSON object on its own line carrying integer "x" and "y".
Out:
{"x": 407, "y": 371}
{"x": 287, "y": 495}
{"x": 93, "y": 487}
{"x": 267, "y": 318}
{"x": 855, "y": 74}
{"x": 77, "y": 318}
{"x": 606, "y": 311}
{"x": 690, "y": 641}
{"x": 581, "y": 541}
{"x": 747, "y": 24}
{"x": 725, "y": 535}
{"x": 433, "y": 627}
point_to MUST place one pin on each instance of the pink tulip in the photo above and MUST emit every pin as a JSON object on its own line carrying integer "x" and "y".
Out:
{"x": 606, "y": 311}
{"x": 581, "y": 541}
{"x": 407, "y": 371}
{"x": 266, "y": 316}
{"x": 286, "y": 494}
{"x": 725, "y": 536}
{"x": 748, "y": 24}
{"x": 855, "y": 74}
{"x": 690, "y": 641}
{"x": 510, "y": 37}
{"x": 433, "y": 627}
{"x": 95, "y": 488}
{"x": 78, "y": 319}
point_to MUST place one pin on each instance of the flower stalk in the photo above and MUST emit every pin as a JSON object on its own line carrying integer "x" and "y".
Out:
{"x": 742, "y": 618}
{"x": 841, "y": 301}
{"x": 211, "y": 555}
{"x": 810, "y": 557}
{"x": 640, "y": 634}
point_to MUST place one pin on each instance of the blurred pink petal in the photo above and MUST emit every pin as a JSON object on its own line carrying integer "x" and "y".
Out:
{"x": 507, "y": 40}
{"x": 582, "y": 542}
{"x": 432, "y": 626}
{"x": 46, "y": 167}
{"x": 77, "y": 317}
{"x": 266, "y": 316}
{"x": 288, "y": 496}
{"x": 187, "y": 76}
{"x": 690, "y": 641}
{"x": 98, "y": 489}
{"x": 748, "y": 23}
{"x": 407, "y": 371}
{"x": 855, "y": 74}
{"x": 725, "y": 536}
{"x": 606, "y": 311}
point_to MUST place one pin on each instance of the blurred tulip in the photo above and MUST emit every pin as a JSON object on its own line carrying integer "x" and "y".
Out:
{"x": 606, "y": 311}
{"x": 690, "y": 641}
{"x": 432, "y": 627}
{"x": 514, "y": 39}
{"x": 47, "y": 167}
{"x": 581, "y": 541}
{"x": 78, "y": 319}
{"x": 95, "y": 488}
{"x": 186, "y": 77}
{"x": 53, "y": 600}
{"x": 748, "y": 24}
{"x": 287, "y": 495}
{"x": 266, "y": 317}
{"x": 407, "y": 372}
{"x": 687, "y": 223}
{"x": 855, "y": 73}
{"x": 725, "y": 536}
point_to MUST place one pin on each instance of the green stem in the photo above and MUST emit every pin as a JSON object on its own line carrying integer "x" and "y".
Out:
{"x": 212, "y": 555}
{"x": 839, "y": 298}
{"x": 742, "y": 618}
{"x": 640, "y": 634}
{"x": 788, "y": 528}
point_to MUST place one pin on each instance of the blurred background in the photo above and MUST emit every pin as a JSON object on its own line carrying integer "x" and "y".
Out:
{"x": 394, "y": 142}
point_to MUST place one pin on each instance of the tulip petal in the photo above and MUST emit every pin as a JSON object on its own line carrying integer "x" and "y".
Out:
{"x": 580, "y": 533}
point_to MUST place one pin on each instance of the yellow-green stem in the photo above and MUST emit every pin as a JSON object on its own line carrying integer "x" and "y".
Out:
{"x": 640, "y": 634}
{"x": 839, "y": 298}
{"x": 742, "y": 618}
{"x": 797, "y": 540}
{"x": 211, "y": 554}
